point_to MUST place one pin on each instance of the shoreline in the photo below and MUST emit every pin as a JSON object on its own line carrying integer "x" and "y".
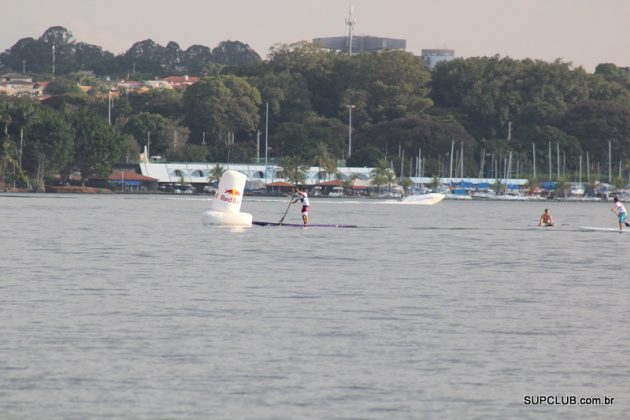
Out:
{"x": 96, "y": 191}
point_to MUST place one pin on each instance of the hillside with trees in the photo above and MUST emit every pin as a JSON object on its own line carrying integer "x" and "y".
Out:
{"x": 489, "y": 107}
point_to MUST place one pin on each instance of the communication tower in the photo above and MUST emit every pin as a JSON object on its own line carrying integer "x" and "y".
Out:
{"x": 350, "y": 21}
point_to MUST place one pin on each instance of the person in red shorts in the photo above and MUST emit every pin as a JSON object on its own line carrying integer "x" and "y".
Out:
{"x": 303, "y": 198}
{"x": 546, "y": 219}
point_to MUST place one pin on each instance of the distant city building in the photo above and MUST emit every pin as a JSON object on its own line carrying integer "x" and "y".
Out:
{"x": 158, "y": 84}
{"x": 361, "y": 43}
{"x": 181, "y": 82}
{"x": 14, "y": 84}
{"x": 432, "y": 57}
{"x": 358, "y": 44}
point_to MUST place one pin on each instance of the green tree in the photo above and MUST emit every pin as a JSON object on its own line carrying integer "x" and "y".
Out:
{"x": 487, "y": 93}
{"x": 9, "y": 164}
{"x": 359, "y": 100}
{"x": 5, "y": 116}
{"x": 69, "y": 102}
{"x": 367, "y": 156}
{"x": 312, "y": 69}
{"x": 130, "y": 151}
{"x": 562, "y": 188}
{"x": 216, "y": 173}
{"x": 431, "y": 134}
{"x": 382, "y": 174}
{"x": 62, "y": 86}
{"x": 435, "y": 182}
{"x": 324, "y": 160}
{"x": 220, "y": 106}
{"x": 290, "y": 139}
{"x": 165, "y": 102}
{"x": 150, "y": 128}
{"x": 288, "y": 96}
{"x": 397, "y": 81}
{"x": 295, "y": 139}
{"x": 188, "y": 153}
{"x": 49, "y": 145}
{"x": 294, "y": 169}
{"x": 619, "y": 182}
{"x": 97, "y": 146}
{"x": 34, "y": 55}
{"x": 407, "y": 183}
{"x": 15, "y": 116}
{"x": 594, "y": 124}
{"x": 532, "y": 186}
{"x": 612, "y": 72}
{"x": 235, "y": 53}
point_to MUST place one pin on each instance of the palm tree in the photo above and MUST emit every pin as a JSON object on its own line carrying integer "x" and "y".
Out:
{"x": 294, "y": 169}
{"x": 9, "y": 159}
{"x": 499, "y": 187}
{"x": 382, "y": 174}
{"x": 407, "y": 183}
{"x": 435, "y": 183}
{"x": 330, "y": 167}
{"x": 5, "y": 116}
{"x": 216, "y": 173}
{"x": 532, "y": 185}
{"x": 619, "y": 182}
{"x": 563, "y": 187}
{"x": 390, "y": 177}
{"x": 347, "y": 184}
{"x": 321, "y": 154}
{"x": 324, "y": 160}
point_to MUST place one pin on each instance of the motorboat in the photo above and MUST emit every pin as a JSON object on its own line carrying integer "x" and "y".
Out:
{"x": 426, "y": 199}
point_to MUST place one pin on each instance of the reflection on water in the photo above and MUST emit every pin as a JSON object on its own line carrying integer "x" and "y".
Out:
{"x": 128, "y": 307}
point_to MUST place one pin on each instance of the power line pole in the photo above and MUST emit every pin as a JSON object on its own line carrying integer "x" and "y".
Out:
{"x": 266, "y": 137}
{"x": 53, "y": 62}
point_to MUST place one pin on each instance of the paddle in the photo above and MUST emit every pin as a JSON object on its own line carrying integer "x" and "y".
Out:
{"x": 287, "y": 210}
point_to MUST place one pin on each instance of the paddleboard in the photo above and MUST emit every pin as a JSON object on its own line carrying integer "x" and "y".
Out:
{"x": 603, "y": 229}
{"x": 301, "y": 225}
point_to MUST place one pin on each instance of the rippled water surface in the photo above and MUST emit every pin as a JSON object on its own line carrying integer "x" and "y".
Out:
{"x": 128, "y": 307}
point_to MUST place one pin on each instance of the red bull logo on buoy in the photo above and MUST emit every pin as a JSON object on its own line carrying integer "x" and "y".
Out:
{"x": 231, "y": 195}
{"x": 232, "y": 191}
{"x": 226, "y": 205}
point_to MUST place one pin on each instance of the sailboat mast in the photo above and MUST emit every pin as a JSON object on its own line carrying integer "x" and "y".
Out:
{"x": 450, "y": 173}
{"x": 534, "y": 157}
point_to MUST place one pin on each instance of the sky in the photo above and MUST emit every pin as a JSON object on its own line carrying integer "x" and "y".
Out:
{"x": 583, "y": 32}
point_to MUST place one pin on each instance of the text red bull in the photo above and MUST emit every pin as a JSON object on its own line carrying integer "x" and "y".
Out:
{"x": 231, "y": 196}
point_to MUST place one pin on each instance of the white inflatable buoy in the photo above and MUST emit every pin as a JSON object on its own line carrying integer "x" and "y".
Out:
{"x": 226, "y": 206}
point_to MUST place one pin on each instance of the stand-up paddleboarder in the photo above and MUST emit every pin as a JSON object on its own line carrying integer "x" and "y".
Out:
{"x": 620, "y": 210}
{"x": 303, "y": 198}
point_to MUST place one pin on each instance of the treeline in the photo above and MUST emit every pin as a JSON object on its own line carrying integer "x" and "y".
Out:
{"x": 144, "y": 60}
{"x": 302, "y": 96}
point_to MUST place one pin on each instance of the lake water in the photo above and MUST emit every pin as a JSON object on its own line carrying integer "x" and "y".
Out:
{"x": 122, "y": 306}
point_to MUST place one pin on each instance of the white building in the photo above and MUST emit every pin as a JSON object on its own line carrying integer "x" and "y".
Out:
{"x": 257, "y": 176}
{"x": 433, "y": 57}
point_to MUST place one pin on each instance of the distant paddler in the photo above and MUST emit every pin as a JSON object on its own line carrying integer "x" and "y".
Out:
{"x": 545, "y": 219}
{"x": 306, "y": 205}
{"x": 620, "y": 211}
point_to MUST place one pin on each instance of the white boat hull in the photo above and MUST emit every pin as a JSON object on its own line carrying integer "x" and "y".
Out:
{"x": 426, "y": 199}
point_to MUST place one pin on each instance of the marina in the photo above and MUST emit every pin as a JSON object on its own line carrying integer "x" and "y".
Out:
{"x": 194, "y": 178}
